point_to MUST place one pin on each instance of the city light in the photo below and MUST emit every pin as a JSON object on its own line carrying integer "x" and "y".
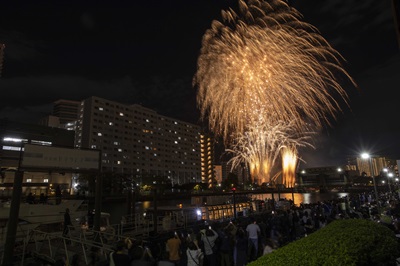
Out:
{"x": 366, "y": 156}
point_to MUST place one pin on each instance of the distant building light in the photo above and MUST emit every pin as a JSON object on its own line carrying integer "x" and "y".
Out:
{"x": 14, "y": 139}
{"x": 46, "y": 180}
{"x": 11, "y": 148}
{"x": 41, "y": 142}
{"x": 29, "y": 180}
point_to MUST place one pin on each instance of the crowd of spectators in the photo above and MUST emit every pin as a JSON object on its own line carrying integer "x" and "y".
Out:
{"x": 240, "y": 241}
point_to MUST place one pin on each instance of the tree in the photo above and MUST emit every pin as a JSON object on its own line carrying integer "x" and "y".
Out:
{"x": 231, "y": 181}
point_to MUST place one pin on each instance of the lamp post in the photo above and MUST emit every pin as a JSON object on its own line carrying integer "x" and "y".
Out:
{"x": 389, "y": 176}
{"x": 234, "y": 202}
{"x": 367, "y": 156}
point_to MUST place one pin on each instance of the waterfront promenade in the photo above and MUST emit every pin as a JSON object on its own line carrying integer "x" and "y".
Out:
{"x": 281, "y": 226}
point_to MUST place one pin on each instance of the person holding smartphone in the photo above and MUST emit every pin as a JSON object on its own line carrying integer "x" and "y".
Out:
{"x": 173, "y": 247}
{"x": 209, "y": 238}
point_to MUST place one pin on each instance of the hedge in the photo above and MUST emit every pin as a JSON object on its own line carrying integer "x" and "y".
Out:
{"x": 341, "y": 242}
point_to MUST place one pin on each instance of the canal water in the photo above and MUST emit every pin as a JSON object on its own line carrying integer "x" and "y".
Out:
{"x": 119, "y": 209}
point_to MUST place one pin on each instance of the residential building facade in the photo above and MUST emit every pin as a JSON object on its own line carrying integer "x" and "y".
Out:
{"x": 139, "y": 142}
{"x": 207, "y": 156}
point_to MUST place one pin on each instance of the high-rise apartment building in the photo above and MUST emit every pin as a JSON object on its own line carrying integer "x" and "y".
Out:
{"x": 372, "y": 166}
{"x": 139, "y": 142}
{"x": 64, "y": 115}
{"x": 207, "y": 156}
{"x": 66, "y": 110}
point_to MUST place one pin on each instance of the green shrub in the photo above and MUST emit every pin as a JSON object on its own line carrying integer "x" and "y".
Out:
{"x": 342, "y": 242}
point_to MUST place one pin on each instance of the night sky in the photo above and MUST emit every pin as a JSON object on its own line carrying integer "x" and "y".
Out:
{"x": 145, "y": 52}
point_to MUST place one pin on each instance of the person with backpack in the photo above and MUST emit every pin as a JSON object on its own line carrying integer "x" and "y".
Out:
{"x": 209, "y": 238}
{"x": 194, "y": 254}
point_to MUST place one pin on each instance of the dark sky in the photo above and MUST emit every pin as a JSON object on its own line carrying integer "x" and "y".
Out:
{"x": 145, "y": 52}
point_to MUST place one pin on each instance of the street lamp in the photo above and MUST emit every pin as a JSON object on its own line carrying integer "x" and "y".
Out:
{"x": 367, "y": 156}
{"x": 388, "y": 175}
{"x": 234, "y": 202}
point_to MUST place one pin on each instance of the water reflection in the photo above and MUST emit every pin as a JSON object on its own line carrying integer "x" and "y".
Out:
{"x": 299, "y": 198}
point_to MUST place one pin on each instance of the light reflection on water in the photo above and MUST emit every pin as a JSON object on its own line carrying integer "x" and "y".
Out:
{"x": 117, "y": 210}
{"x": 298, "y": 198}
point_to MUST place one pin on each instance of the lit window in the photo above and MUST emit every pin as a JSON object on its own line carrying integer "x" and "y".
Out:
{"x": 93, "y": 146}
{"x": 118, "y": 162}
{"x": 40, "y": 142}
{"x": 46, "y": 180}
{"x": 28, "y": 180}
{"x": 121, "y": 114}
{"x": 110, "y": 123}
{"x": 99, "y": 134}
{"x": 176, "y": 142}
{"x": 120, "y": 150}
{"x": 14, "y": 139}
{"x": 101, "y": 109}
{"x": 11, "y": 148}
{"x": 147, "y": 120}
{"x": 146, "y": 147}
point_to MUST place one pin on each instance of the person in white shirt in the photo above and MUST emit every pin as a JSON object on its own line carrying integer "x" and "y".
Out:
{"x": 253, "y": 232}
{"x": 194, "y": 254}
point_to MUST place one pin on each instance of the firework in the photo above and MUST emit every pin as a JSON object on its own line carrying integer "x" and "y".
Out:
{"x": 289, "y": 163}
{"x": 260, "y": 147}
{"x": 265, "y": 58}
{"x": 262, "y": 68}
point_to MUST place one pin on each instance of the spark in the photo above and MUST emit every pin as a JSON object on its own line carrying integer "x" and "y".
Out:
{"x": 265, "y": 58}
{"x": 261, "y": 146}
{"x": 265, "y": 80}
{"x": 289, "y": 163}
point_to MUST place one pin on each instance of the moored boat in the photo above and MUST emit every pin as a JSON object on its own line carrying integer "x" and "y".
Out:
{"x": 46, "y": 216}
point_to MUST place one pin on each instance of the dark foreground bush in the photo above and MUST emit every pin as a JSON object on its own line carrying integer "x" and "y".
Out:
{"x": 342, "y": 242}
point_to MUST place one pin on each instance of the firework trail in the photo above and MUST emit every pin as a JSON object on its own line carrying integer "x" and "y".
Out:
{"x": 265, "y": 57}
{"x": 263, "y": 66}
{"x": 289, "y": 163}
{"x": 261, "y": 146}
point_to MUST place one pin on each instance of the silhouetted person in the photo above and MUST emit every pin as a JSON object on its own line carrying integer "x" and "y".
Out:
{"x": 30, "y": 198}
{"x": 42, "y": 198}
{"x": 67, "y": 222}
{"x": 58, "y": 194}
